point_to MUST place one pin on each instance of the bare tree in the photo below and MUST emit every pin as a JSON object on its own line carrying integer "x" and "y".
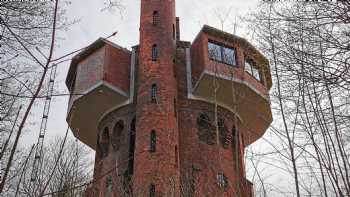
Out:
{"x": 74, "y": 168}
{"x": 307, "y": 45}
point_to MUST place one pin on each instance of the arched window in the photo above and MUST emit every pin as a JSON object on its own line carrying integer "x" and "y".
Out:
{"x": 132, "y": 138}
{"x": 104, "y": 143}
{"x": 156, "y": 18}
{"x": 154, "y": 91}
{"x": 153, "y": 141}
{"x": 206, "y": 131}
{"x": 117, "y": 132}
{"x": 154, "y": 52}
{"x": 152, "y": 190}
{"x": 223, "y": 133}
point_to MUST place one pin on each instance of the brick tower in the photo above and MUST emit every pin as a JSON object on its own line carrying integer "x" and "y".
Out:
{"x": 156, "y": 113}
{"x": 169, "y": 117}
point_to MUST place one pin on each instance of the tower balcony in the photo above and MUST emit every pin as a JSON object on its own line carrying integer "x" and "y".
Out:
{"x": 227, "y": 70}
{"x": 98, "y": 80}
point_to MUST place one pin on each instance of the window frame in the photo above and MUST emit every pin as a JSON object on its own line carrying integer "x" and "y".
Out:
{"x": 155, "y": 18}
{"x": 154, "y": 93}
{"x": 253, "y": 70}
{"x": 154, "y": 53}
{"x": 222, "y": 48}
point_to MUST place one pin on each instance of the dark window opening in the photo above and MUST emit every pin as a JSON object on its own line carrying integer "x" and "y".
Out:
{"x": 153, "y": 141}
{"x": 223, "y": 134}
{"x": 132, "y": 138}
{"x": 104, "y": 143}
{"x": 234, "y": 137}
{"x": 176, "y": 157}
{"x": 156, "y": 18}
{"x": 174, "y": 32}
{"x": 222, "y": 180}
{"x": 251, "y": 68}
{"x": 154, "y": 52}
{"x": 235, "y": 143}
{"x": 117, "y": 132}
{"x": 206, "y": 130}
{"x": 175, "y": 108}
{"x": 154, "y": 91}
{"x": 220, "y": 53}
{"x": 152, "y": 190}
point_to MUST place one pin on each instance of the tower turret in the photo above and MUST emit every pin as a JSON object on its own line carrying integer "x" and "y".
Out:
{"x": 156, "y": 169}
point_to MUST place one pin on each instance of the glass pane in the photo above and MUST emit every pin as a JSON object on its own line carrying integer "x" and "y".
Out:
{"x": 229, "y": 56}
{"x": 214, "y": 51}
{"x": 256, "y": 74}
{"x": 248, "y": 67}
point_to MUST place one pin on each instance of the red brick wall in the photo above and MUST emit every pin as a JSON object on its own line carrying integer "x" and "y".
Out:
{"x": 117, "y": 68}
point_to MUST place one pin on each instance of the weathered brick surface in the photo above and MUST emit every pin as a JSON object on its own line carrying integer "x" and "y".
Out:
{"x": 156, "y": 168}
{"x": 117, "y": 68}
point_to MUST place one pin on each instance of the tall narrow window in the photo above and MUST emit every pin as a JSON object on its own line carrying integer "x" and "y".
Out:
{"x": 176, "y": 157}
{"x": 154, "y": 52}
{"x": 234, "y": 137}
{"x": 132, "y": 137}
{"x": 174, "y": 32}
{"x": 154, "y": 90}
{"x": 152, "y": 190}
{"x": 156, "y": 18}
{"x": 223, "y": 133}
{"x": 117, "y": 132}
{"x": 175, "y": 108}
{"x": 104, "y": 143}
{"x": 153, "y": 142}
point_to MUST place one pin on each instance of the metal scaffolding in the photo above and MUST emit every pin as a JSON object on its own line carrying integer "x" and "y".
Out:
{"x": 40, "y": 143}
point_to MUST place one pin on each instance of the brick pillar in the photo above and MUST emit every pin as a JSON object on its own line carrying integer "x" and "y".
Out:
{"x": 156, "y": 168}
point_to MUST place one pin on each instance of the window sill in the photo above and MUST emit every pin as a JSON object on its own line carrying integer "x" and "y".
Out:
{"x": 222, "y": 62}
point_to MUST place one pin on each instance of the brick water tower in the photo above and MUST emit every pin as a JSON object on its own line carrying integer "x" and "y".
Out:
{"x": 169, "y": 117}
